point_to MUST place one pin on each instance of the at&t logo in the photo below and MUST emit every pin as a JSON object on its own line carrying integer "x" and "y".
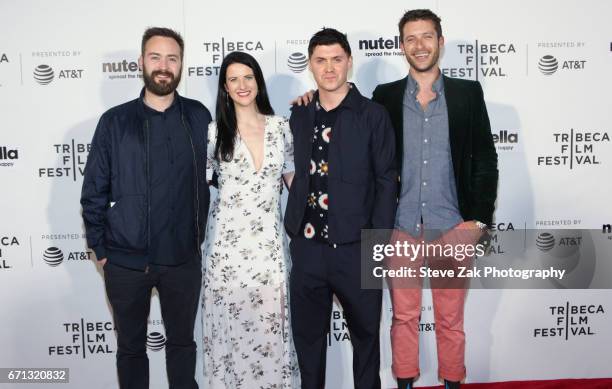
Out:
{"x": 545, "y": 241}
{"x": 156, "y": 341}
{"x": 297, "y": 62}
{"x": 549, "y": 65}
{"x": 53, "y": 256}
{"x": 44, "y": 74}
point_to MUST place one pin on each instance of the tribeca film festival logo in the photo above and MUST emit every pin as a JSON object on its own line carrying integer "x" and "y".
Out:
{"x": 506, "y": 140}
{"x": 576, "y": 148}
{"x": 549, "y": 64}
{"x": 217, "y": 50}
{"x": 122, "y": 70}
{"x": 72, "y": 159}
{"x": 85, "y": 339}
{"x": 496, "y": 245}
{"x": 480, "y": 60}
{"x": 338, "y": 331}
{"x": 570, "y": 321}
{"x": 6, "y": 244}
{"x": 8, "y": 156}
{"x": 3, "y": 59}
{"x": 381, "y": 47}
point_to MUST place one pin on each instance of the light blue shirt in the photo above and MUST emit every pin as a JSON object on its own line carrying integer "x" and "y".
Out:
{"x": 428, "y": 190}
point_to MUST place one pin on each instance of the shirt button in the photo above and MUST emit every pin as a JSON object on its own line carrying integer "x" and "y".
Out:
{"x": 424, "y": 183}
{"x": 425, "y": 162}
{"x": 425, "y": 141}
{"x": 426, "y": 119}
{"x": 422, "y": 204}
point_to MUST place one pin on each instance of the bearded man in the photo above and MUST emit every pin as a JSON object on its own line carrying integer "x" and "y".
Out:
{"x": 145, "y": 203}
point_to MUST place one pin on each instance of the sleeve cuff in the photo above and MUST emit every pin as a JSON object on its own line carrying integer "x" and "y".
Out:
{"x": 100, "y": 252}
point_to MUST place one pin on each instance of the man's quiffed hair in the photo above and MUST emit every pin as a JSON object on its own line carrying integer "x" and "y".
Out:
{"x": 162, "y": 31}
{"x": 328, "y": 37}
{"x": 420, "y": 14}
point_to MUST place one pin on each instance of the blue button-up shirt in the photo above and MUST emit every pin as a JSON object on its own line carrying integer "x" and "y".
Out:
{"x": 428, "y": 191}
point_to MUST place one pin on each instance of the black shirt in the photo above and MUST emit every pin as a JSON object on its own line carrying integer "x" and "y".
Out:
{"x": 171, "y": 184}
{"x": 315, "y": 224}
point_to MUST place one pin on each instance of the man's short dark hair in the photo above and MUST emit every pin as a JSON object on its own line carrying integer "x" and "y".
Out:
{"x": 420, "y": 14}
{"x": 165, "y": 32}
{"x": 328, "y": 37}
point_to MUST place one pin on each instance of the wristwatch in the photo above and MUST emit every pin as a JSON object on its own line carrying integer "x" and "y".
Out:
{"x": 480, "y": 225}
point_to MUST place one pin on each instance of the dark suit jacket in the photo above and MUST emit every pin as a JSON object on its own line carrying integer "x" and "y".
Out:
{"x": 473, "y": 151}
{"x": 362, "y": 181}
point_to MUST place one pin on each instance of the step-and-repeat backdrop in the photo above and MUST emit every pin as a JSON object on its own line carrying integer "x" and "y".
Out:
{"x": 545, "y": 69}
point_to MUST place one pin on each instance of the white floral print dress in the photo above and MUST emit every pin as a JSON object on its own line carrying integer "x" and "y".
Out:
{"x": 247, "y": 340}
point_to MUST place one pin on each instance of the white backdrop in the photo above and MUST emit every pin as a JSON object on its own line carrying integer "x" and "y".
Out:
{"x": 58, "y": 316}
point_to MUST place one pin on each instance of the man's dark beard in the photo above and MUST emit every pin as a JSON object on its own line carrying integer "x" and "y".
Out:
{"x": 160, "y": 89}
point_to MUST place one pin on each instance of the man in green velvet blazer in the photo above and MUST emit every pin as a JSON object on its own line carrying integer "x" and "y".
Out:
{"x": 448, "y": 181}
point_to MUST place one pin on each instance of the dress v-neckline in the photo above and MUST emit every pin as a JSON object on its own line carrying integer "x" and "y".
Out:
{"x": 263, "y": 146}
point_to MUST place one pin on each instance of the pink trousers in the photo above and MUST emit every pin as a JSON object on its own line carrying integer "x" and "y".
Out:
{"x": 448, "y": 304}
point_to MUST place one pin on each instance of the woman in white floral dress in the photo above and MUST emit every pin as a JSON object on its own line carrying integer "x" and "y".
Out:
{"x": 247, "y": 338}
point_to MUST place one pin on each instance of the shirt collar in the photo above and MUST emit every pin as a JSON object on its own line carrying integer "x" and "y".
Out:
{"x": 413, "y": 86}
{"x": 150, "y": 111}
{"x": 350, "y": 101}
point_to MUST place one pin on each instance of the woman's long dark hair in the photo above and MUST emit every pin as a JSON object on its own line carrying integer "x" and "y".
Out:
{"x": 225, "y": 112}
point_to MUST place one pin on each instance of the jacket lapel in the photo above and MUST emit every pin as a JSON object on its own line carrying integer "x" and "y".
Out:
{"x": 458, "y": 122}
{"x": 305, "y": 139}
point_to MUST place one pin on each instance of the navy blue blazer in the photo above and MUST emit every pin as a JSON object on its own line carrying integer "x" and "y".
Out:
{"x": 362, "y": 179}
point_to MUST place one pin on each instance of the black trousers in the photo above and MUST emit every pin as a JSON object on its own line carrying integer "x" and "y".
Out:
{"x": 319, "y": 271}
{"x": 129, "y": 293}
